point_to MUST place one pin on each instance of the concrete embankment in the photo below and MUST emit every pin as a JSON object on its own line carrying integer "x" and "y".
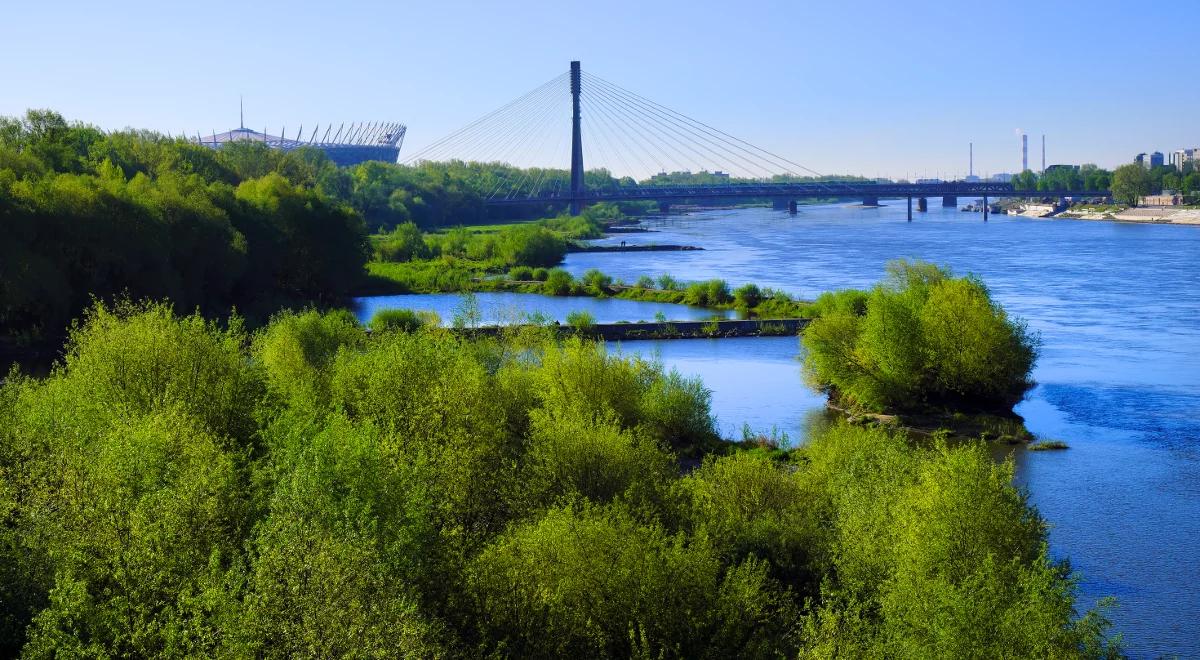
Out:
{"x": 670, "y": 329}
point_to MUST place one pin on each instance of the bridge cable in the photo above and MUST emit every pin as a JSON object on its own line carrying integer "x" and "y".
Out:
{"x": 637, "y": 125}
{"x": 418, "y": 155}
{"x": 488, "y": 136}
{"x": 619, "y": 137}
{"x": 717, "y": 133}
{"x": 692, "y": 135}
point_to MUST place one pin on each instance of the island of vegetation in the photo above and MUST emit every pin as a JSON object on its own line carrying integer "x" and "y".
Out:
{"x": 924, "y": 349}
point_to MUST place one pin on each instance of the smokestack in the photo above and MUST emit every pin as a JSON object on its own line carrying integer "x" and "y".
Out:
{"x": 1043, "y": 153}
{"x": 971, "y": 160}
{"x": 1024, "y": 152}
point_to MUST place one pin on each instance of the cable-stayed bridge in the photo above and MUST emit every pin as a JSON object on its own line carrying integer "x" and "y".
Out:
{"x": 675, "y": 157}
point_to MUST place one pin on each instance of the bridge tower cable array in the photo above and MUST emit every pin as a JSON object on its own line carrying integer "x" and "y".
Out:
{"x": 632, "y": 139}
{"x": 642, "y": 150}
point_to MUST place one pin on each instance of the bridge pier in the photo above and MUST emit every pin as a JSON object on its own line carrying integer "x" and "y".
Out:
{"x": 664, "y": 207}
{"x": 922, "y": 204}
{"x": 949, "y": 202}
{"x": 870, "y": 201}
{"x": 791, "y": 207}
{"x": 910, "y": 208}
{"x": 985, "y": 208}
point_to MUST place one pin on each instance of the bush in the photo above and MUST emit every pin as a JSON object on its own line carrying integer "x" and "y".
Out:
{"x": 747, "y": 297}
{"x": 399, "y": 320}
{"x": 712, "y": 293}
{"x": 668, "y": 283}
{"x": 539, "y": 596}
{"x": 922, "y": 340}
{"x": 645, "y": 282}
{"x": 405, "y": 243}
{"x": 581, "y": 320}
{"x": 521, "y": 274}
{"x": 540, "y": 274}
{"x": 597, "y": 283}
{"x": 531, "y": 245}
{"x": 296, "y": 349}
{"x": 558, "y": 283}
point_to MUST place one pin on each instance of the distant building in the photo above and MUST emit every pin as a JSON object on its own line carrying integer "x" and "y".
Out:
{"x": 347, "y": 146}
{"x": 1181, "y": 157}
{"x": 1162, "y": 200}
{"x": 1003, "y": 177}
{"x": 929, "y": 180}
{"x": 971, "y": 178}
{"x": 1156, "y": 160}
{"x": 1141, "y": 159}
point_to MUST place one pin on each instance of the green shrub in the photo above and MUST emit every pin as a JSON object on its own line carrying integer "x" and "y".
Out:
{"x": 398, "y": 320}
{"x": 923, "y": 339}
{"x": 596, "y": 282}
{"x": 747, "y": 296}
{"x": 581, "y": 320}
{"x": 540, "y": 274}
{"x": 520, "y": 273}
{"x": 296, "y": 349}
{"x": 658, "y": 595}
{"x": 405, "y": 243}
{"x": 645, "y": 282}
{"x": 530, "y": 245}
{"x": 668, "y": 283}
{"x": 558, "y": 283}
{"x": 573, "y": 454}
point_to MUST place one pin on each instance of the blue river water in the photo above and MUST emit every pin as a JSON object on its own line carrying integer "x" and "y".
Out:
{"x": 1118, "y": 310}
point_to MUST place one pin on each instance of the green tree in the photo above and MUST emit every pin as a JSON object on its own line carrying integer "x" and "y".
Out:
{"x": 1026, "y": 180}
{"x": 1130, "y": 183}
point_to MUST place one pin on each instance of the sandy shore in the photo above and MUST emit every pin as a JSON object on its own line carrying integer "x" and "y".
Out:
{"x": 1161, "y": 215}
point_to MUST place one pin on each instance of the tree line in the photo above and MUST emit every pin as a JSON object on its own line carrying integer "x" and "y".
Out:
{"x": 90, "y": 214}
{"x": 1128, "y": 183}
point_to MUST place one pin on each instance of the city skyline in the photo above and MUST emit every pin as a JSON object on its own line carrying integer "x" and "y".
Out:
{"x": 821, "y": 86}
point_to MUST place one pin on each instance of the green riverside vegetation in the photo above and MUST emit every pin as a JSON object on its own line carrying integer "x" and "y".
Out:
{"x": 179, "y": 487}
{"x": 921, "y": 340}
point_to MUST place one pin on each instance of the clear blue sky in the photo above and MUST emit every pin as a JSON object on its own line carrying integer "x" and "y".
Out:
{"x": 878, "y": 88}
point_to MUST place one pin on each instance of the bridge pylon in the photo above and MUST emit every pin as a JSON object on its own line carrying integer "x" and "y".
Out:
{"x": 577, "y": 189}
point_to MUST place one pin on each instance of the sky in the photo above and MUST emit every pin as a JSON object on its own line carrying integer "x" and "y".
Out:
{"x": 879, "y": 88}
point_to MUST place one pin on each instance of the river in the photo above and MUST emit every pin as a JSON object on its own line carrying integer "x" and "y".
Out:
{"x": 1118, "y": 310}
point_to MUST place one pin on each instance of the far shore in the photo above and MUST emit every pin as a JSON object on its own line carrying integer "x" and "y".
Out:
{"x": 1164, "y": 215}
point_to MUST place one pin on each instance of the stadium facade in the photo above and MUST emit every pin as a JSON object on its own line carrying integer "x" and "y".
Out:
{"x": 347, "y": 145}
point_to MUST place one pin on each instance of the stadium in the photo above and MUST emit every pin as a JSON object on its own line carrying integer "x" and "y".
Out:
{"x": 351, "y": 145}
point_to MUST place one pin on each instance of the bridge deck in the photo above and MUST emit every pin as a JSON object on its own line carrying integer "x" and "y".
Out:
{"x": 799, "y": 191}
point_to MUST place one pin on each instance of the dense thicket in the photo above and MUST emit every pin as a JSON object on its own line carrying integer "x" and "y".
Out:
{"x": 179, "y": 488}
{"x": 920, "y": 340}
{"x": 86, "y": 214}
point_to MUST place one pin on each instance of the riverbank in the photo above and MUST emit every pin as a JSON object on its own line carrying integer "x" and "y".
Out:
{"x": 714, "y": 329}
{"x": 1164, "y": 215}
{"x": 585, "y": 247}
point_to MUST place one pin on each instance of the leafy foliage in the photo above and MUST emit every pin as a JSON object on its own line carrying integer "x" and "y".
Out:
{"x": 178, "y": 488}
{"x": 920, "y": 339}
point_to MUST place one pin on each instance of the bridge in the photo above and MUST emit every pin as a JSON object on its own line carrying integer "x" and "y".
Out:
{"x": 641, "y": 137}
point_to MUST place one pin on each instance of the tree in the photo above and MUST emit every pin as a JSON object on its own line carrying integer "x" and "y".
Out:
{"x": 1026, "y": 180}
{"x": 1130, "y": 183}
